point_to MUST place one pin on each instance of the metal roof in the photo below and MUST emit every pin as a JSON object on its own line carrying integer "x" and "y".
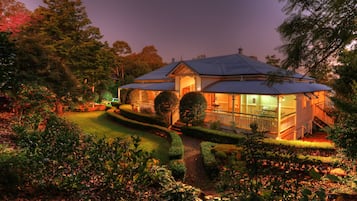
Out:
{"x": 261, "y": 87}
{"x": 229, "y": 65}
{"x": 162, "y": 86}
{"x": 158, "y": 74}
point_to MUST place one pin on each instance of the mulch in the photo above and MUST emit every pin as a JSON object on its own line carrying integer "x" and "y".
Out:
{"x": 196, "y": 175}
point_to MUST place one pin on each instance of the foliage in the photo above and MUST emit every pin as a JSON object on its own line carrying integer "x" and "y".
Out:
{"x": 213, "y": 135}
{"x": 315, "y": 31}
{"x": 165, "y": 103}
{"x": 272, "y": 60}
{"x": 209, "y": 160}
{"x": 345, "y": 100}
{"x": 13, "y": 15}
{"x": 300, "y": 144}
{"x": 216, "y": 125}
{"x": 137, "y": 64}
{"x": 63, "y": 160}
{"x": 11, "y": 164}
{"x": 180, "y": 192}
{"x": 106, "y": 95}
{"x": 7, "y": 59}
{"x": 178, "y": 169}
{"x": 127, "y": 112}
{"x": 176, "y": 150}
{"x": 192, "y": 108}
{"x": 61, "y": 50}
{"x": 259, "y": 181}
{"x": 33, "y": 105}
{"x": 300, "y": 147}
{"x": 345, "y": 85}
{"x": 344, "y": 133}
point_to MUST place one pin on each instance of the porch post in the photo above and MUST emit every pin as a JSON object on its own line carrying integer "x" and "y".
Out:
{"x": 119, "y": 99}
{"x": 279, "y": 115}
{"x": 233, "y": 103}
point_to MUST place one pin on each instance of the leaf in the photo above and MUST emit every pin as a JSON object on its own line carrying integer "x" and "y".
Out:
{"x": 333, "y": 178}
{"x": 315, "y": 175}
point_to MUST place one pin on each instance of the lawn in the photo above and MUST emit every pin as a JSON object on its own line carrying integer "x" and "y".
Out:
{"x": 98, "y": 124}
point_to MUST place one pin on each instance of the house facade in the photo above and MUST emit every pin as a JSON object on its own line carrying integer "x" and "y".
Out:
{"x": 240, "y": 90}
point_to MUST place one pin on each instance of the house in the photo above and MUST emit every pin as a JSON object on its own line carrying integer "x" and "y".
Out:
{"x": 238, "y": 91}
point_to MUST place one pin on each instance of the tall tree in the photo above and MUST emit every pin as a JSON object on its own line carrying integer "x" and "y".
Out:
{"x": 61, "y": 47}
{"x": 347, "y": 75}
{"x": 7, "y": 59}
{"x": 316, "y": 31}
{"x": 13, "y": 15}
{"x": 273, "y": 60}
{"x": 121, "y": 49}
{"x": 137, "y": 64}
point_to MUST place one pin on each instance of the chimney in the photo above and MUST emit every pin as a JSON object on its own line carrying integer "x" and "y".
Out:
{"x": 240, "y": 50}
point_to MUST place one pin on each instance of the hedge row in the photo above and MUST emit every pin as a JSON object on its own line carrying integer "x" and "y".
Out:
{"x": 125, "y": 110}
{"x": 302, "y": 162}
{"x": 300, "y": 147}
{"x": 176, "y": 150}
{"x": 178, "y": 168}
{"x": 213, "y": 135}
{"x": 209, "y": 160}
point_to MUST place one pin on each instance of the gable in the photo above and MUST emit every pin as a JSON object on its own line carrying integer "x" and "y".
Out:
{"x": 182, "y": 70}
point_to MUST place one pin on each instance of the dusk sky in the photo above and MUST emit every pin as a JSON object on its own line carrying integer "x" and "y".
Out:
{"x": 184, "y": 29}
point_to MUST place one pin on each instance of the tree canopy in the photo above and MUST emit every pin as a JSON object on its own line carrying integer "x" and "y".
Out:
{"x": 58, "y": 47}
{"x": 316, "y": 31}
{"x": 13, "y": 15}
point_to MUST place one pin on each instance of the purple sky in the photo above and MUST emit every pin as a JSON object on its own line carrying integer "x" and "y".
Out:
{"x": 188, "y": 28}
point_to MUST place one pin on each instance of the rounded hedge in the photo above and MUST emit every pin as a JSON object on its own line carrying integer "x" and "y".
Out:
{"x": 192, "y": 108}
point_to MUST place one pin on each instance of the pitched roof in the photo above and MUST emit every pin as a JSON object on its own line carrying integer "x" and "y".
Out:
{"x": 229, "y": 65}
{"x": 158, "y": 74}
{"x": 261, "y": 87}
{"x": 162, "y": 86}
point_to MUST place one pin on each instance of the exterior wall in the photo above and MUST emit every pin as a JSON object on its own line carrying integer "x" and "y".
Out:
{"x": 285, "y": 116}
{"x": 207, "y": 81}
{"x": 304, "y": 115}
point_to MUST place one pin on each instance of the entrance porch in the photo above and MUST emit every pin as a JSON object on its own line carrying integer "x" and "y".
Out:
{"x": 268, "y": 124}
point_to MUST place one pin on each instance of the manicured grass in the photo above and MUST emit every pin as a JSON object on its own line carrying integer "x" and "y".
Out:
{"x": 98, "y": 124}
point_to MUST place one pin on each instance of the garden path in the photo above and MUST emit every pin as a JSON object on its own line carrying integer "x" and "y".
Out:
{"x": 195, "y": 174}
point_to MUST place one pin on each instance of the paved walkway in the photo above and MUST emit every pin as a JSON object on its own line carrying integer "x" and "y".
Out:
{"x": 195, "y": 174}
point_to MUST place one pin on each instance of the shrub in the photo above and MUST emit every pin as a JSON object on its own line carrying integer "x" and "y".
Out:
{"x": 81, "y": 166}
{"x": 145, "y": 118}
{"x": 220, "y": 155}
{"x": 12, "y": 168}
{"x": 180, "y": 192}
{"x": 178, "y": 169}
{"x": 115, "y": 104}
{"x": 146, "y": 110}
{"x": 106, "y": 95}
{"x": 176, "y": 150}
{"x": 192, "y": 108}
{"x": 165, "y": 103}
{"x": 216, "y": 125}
{"x": 213, "y": 135}
{"x": 209, "y": 159}
{"x": 300, "y": 147}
